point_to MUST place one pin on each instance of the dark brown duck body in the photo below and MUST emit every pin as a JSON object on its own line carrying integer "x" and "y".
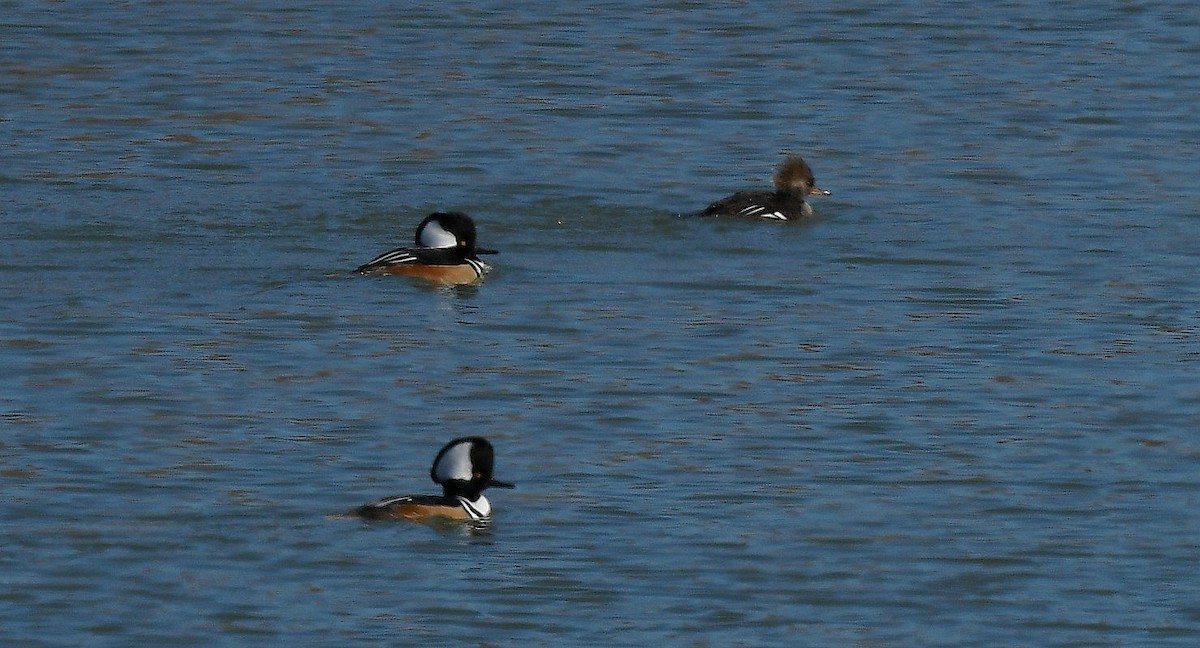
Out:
{"x": 794, "y": 182}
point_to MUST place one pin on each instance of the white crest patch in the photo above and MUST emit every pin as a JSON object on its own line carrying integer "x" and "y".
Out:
{"x": 433, "y": 235}
{"x": 455, "y": 464}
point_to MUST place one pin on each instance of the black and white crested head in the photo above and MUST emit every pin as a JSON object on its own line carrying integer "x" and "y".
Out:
{"x": 464, "y": 467}
{"x": 454, "y": 461}
{"x": 449, "y": 231}
{"x": 446, "y": 230}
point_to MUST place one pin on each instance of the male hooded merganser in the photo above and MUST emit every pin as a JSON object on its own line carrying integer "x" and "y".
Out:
{"x": 445, "y": 252}
{"x": 464, "y": 469}
{"x": 793, "y": 183}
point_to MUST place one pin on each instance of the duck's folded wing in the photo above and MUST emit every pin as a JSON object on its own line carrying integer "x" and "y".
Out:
{"x": 413, "y": 507}
{"x": 409, "y": 256}
{"x": 747, "y": 204}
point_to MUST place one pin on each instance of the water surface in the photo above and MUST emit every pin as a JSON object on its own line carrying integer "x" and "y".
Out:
{"x": 955, "y": 408}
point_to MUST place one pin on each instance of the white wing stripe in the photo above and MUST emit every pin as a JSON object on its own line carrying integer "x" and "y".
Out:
{"x": 393, "y": 258}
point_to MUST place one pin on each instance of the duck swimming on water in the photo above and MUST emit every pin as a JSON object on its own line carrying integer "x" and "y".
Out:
{"x": 463, "y": 467}
{"x": 794, "y": 182}
{"x": 445, "y": 252}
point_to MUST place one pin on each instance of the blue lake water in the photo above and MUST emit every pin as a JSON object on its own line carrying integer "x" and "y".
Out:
{"x": 956, "y": 408}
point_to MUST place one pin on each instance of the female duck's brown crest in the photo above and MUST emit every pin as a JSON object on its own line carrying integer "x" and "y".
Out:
{"x": 794, "y": 176}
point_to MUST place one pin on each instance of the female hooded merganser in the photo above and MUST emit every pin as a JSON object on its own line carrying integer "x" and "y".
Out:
{"x": 464, "y": 469}
{"x": 793, "y": 183}
{"x": 445, "y": 252}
